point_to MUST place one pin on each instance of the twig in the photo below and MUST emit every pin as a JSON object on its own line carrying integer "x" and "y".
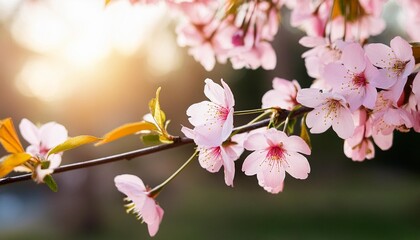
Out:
{"x": 180, "y": 141}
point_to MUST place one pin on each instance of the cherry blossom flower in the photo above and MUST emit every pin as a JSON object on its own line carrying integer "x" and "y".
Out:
{"x": 213, "y": 158}
{"x": 274, "y": 154}
{"x": 283, "y": 94}
{"x": 141, "y": 203}
{"x": 212, "y": 120}
{"x": 330, "y": 109}
{"x": 356, "y": 78}
{"x": 360, "y": 146}
{"x": 411, "y": 19}
{"x": 396, "y": 63}
{"x": 42, "y": 139}
{"x": 387, "y": 117}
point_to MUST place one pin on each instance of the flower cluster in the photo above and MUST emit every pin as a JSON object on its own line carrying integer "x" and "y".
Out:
{"x": 363, "y": 92}
{"x": 239, "y": 31}
{"x": 274, "y": 152}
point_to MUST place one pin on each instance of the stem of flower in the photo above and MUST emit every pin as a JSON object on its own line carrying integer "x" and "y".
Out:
{"x": 251, "y": 111}
{"x": 156, "y": 190}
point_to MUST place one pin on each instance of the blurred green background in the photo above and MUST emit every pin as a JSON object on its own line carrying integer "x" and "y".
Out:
{"x": 92, "y": 69}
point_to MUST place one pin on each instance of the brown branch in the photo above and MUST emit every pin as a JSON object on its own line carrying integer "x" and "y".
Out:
{"x": 180, "y": 141}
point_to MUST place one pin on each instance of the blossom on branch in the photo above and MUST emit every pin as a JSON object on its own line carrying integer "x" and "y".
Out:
{"x": 355, "y": 78}
{"x": 330, "y": 109}
{"x": 283, "y": 94}
{"x": 42, "y": 140}
{"x": 274, "y": 154}
{"x": 140, "y": 203}
{"x": 396, "y": 63}
{"x": 212, "y": 120}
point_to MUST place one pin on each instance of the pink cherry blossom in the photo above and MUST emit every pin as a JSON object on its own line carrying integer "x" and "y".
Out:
{"x": 411, "y": 19}
{"x": 356, "y": 78}
{"x": 396, "y": 63}
{"x": 274, "y": 154}
{"x": 359, "y": 146}
{"x": 213, "y": 158}
{"x": 330, "y": 109}
{"x": 283, "y": 94}
{"x": 363, "y": 150}
{"x": 212, "y": 120}
{"x": 387, "y": 117}
{"x": 42, "y": 139}
{"x": 141, "y": 203}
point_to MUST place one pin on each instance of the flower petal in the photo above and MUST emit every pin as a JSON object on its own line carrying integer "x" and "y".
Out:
{"x": 343, "y": 125}
{"x": 353, "y": 58}
{"x": 253, "y": 162}
{"x": 298, "y": 166}
{"x": 154, "y": 226}
{"x": 130, "y": 185}
{"x": 29, "y": 132}
{"x": 401, "y": 48}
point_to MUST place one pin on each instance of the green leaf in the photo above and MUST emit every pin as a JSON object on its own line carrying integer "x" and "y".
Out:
{"x": 156, "y": 111}
{"x": 45, "y": 164}
{"x": 304, "y": 133}
{"x": 291, "y": 126}
{"x": 126, "y": 129}
{"x": 49, "y": 180}
{"x": 151, "y": 139}
{"x": 73, "y": 142}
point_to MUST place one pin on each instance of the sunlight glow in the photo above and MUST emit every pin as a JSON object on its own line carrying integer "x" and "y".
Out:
{"x": 77, "y": 36}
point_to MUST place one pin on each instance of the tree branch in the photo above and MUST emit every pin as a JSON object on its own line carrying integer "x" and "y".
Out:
{"x": 179, "y": 141}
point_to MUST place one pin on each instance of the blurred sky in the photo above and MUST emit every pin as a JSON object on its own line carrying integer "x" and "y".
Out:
{"x": 93, "y": 68}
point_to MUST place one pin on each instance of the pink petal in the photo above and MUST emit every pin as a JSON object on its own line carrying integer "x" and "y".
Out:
{"x": 252, "y": 163}
{"x": 229, "y": 169}
{"x": 384, "y": 142}
{"x": 29, "y": 132}
{"x": 310, "y": 42}
{"x": 205, "y": 55}
{"x": 198, "y": 111}
{"x": 149, "y": 211}
{"x": 297, "y": 144}
{"x": 227, "y": 126}
{"x": 379, "y": 54}
{"x": 353, "y": 58}
{"x": 189, "y": 133}
{"x": 154, "y": 226}
{"x": 402, "y": 48}
{"x": 229, "y": 99}
{"x": 130, "y": 185}
{"x": 272, "y": 178}
{"x": 208, "y": 136}
{"x": 275, "y": 137}
{"x": 52, "y": 134}
{"x": 317, "y": 121}
{"x": 310, "y": 97}
{"x": 335, "y": 74}
{"x": 370, "y": 97}
{"x": 256, "y": 141}
{"x": 298, "y": 165}
{"x": 268, "y": 56}
{"x": 210, "y": 158}
{"x": 215, "y": 92}
{"x": 394, "y": 93}
{"x": 343, "y": 125}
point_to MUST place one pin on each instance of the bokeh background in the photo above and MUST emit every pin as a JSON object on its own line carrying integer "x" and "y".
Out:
{"x": 93, "y": 68}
